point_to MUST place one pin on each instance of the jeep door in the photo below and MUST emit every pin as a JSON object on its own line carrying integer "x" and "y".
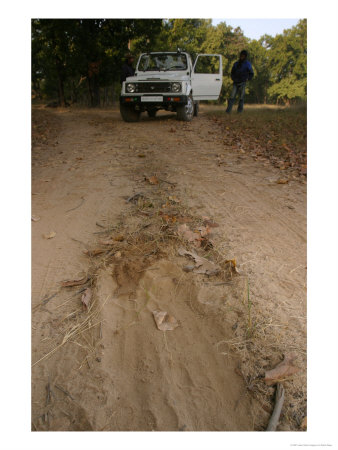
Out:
{"x": 206, "y": 77}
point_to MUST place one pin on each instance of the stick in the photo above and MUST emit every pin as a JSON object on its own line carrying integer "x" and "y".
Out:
{"x": 45, "y": 301}
{"x": 78, "y": 206}
{"x": 273, "y": 422}
{"x": 165, "y": 181}
{"x": 49, "y": 392}
{"x": 100, "y": 225}
{"x": 135, "y": 196}
{"x": 233, "y": 171}
{"x": 64, "y": 391}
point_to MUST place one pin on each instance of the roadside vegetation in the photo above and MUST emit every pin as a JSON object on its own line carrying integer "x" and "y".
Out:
{"x": 79, "y": 60}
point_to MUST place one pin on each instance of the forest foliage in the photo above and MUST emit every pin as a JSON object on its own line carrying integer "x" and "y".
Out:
{"x": 79, "y": 60}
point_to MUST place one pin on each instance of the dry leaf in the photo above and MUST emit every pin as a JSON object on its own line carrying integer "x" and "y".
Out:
{"x": 118, "y": 255}
{"x": 283, "y": 370}
{"x": 303, "y": 425}
{"x": 76, "y": 282}
{"x": 209, "y": 223}
{"x": 141, "y": 155}
{"x": 86, "y": 298}
{"x": 152, "y": 180}
{"x": 184, "y": 231}
{"x": 233, "y": 265}
{"x": 95, "y": 252}
{"x": 202, "y": 265}
{"x": 282, "y": 181}
{"x": 35, "y": 218}
{"x": 164, "y": 321}
{"x": 50, "y": 235}
{"x": 174, "y": 199}
{"x": 119, "y": 238}
{"x": 107, "y": 242}
{"x": 204, "y": 231}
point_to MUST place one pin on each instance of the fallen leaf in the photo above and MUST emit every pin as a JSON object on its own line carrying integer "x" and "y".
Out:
{"x": 209, "y": 223}
{"x": 86, "y": 298}
{"x": 283, "y": 370}
{"x": 233, "y": 264}
{"x": 107, "y": 242}
{"x": 303, "y": 425}
{"x": 204, "y": 231}
{"x": 35, "y": 218}
{"x": 118, "y": 238}
{"x": 118, "y": 255}
{"x": 50, "y": 235}
{"x": 188, "y": 268}
{"x": 152, "y": 180}
{"x": 202, "y": 265}
{"x": 174, "y": 199}
{"x": 282, "y": 181}
{"x": 164, "y": 321}
{"x": 191, "y": 236}
{"x": 141, "y": 155}
{"x": 76, "y": 282}
{"x": 95, "y": 252}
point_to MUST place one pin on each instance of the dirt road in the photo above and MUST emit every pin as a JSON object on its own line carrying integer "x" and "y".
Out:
{"x": 108, "y": 367}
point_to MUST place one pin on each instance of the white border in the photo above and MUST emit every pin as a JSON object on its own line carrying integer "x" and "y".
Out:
{"x": 322, "y": 230}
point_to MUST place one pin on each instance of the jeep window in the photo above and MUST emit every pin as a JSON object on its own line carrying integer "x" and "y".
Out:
{"x": 162, "y": 61}
{"x": 207, "y": 64}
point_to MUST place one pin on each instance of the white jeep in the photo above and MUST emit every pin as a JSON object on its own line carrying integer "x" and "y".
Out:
{"x": 170, "y": 81}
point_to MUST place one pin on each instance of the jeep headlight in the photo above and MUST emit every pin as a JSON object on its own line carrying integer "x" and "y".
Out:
{"x": 130, "y": 87}
{"x": 176, "y": 87}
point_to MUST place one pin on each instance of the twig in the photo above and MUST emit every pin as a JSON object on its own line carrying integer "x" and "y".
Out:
{"x": 78, "y": 206}
{"x": 134, "y": 197}
{"x": 100, "y": 225}
{"x": 233, "y": 171}
{"x": 77, "y": 240}
{"x": 49, "y": 393}
{"x": 273, "y": 422}
{"x": 107, "y": 230}
{"x": 64, "y": 391}
{"x": 165, "y": 181}
{"x": 46, "y": 300}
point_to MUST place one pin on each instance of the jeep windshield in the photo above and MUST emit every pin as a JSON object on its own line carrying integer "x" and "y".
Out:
{"x": 162, "y": 62}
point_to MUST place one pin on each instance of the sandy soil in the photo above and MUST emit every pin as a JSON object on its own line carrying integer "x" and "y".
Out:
{"x": 109, "y": 367}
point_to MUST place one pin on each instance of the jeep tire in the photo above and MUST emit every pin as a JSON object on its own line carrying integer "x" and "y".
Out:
{"x": 129, "y": 113}
{"x": 186, "y": 112}
{"x": 196, "y": 109}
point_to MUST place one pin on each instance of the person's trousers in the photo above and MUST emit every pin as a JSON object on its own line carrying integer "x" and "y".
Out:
{"x": 238, "y": 88}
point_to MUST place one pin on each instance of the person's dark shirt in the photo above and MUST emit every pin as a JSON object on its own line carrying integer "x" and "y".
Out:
{"x": 242, "y": 72}
{"x": 126, "y": 71}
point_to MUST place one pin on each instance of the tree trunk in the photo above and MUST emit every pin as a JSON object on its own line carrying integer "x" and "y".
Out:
{"x": 61, "y": 92}
{"x": 94, "y": 91}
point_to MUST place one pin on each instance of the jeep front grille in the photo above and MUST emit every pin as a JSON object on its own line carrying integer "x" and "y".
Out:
{"x": 151, "y": 87}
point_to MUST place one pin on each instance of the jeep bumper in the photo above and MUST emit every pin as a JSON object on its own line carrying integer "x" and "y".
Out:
{"x": 161, "y": 101}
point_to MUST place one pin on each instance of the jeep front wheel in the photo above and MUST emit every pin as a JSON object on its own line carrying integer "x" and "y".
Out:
{"x": 129, "y": 113}
{"x": 196, "y": 108}
{"x": 186, "y": 112}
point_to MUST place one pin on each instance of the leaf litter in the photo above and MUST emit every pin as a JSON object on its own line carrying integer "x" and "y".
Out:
{"x": 283, "y": 370}
{"x": 164, "y": 321}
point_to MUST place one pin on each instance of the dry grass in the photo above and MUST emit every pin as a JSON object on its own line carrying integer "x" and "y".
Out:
{"x": 148, "y": 226}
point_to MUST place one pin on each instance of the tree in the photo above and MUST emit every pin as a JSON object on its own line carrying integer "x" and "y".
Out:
{"x": 287, "y": 61}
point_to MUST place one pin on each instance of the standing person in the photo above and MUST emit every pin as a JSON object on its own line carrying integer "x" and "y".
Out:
{"x": 241, "y": 72}
{"x": 127, "y": 69}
